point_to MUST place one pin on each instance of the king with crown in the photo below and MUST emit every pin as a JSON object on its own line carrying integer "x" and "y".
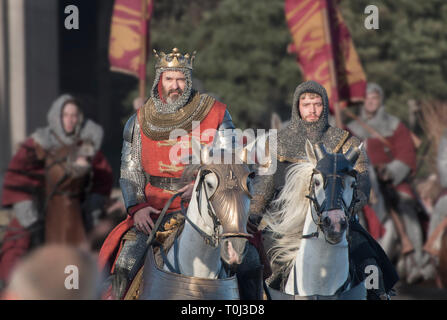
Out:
{"x": 149, "y": 177}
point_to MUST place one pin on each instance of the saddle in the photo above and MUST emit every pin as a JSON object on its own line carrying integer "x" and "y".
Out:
{"x": 171, "y": 227}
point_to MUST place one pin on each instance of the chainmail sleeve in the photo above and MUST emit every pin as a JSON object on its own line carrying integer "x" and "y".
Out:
{"x": 132, "y": 178}
{"x": 263, "y": 192}
{"x": 361, "y": 166}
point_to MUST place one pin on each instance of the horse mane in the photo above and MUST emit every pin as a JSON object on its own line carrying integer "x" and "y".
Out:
{"x": 288, "y": 213}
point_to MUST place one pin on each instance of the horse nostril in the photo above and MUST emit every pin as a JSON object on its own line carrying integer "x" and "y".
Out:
{"x": 343, "y": 223}
{"x": 327, "y": 221}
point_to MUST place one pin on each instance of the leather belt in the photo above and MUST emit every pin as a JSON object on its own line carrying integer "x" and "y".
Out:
{"x": 166, "y": 183}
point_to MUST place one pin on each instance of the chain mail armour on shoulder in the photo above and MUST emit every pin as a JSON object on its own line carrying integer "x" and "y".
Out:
{"x": 157, "y": 118}
{"x": 132, "y": 178}
{"x": 291, "y": 149}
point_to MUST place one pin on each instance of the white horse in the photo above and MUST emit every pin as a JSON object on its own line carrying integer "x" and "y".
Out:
{"x": 310, "y": 223}
{"x": 214, "y": 233}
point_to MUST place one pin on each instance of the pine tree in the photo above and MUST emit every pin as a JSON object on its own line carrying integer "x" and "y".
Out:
{"x": 407, "y": 56}
{"x": 242, "y": 57}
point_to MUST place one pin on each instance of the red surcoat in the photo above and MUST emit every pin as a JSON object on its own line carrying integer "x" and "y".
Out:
{"x": 155, "y": 161}
{"x": 402, "y": 148}
{"x": 23, "y": 179}
{"x": 155, "y": 157}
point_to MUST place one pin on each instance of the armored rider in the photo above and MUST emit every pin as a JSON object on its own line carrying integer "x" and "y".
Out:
{"x": 309, "y": 121}
{"x": 393, "y": 157}
{"x": 149, "y": 177}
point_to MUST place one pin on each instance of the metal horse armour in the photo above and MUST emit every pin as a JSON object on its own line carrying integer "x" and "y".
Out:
{"x": 221, "y": 197}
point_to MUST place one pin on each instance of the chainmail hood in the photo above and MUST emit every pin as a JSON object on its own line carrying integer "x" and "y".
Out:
{"x": 160, "y": 105}
{"x": 374, "y": 87}
{"x": 384, "y": 123}
{"x": 158, "y": 118}
{"x": 298, "y": 130}
{"x": 313, "y": 129}
{"x": 84, "y": 130}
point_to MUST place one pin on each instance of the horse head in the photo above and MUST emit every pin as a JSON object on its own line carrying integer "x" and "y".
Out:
{"x": 332, "y": 189}
{"x": 227, "y": 189}
{"x": 79, "y": 160}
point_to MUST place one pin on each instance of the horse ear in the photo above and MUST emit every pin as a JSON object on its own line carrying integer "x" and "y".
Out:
{"x": 205, "y": 155}
{"x": 310, "y": 153}
{"x": 243, "y": 155}
{"x": 320, "y": 151}
{"x": 275, "y": 121}
{"x": 196, "y": 156}
{"x": 353, "y": 153}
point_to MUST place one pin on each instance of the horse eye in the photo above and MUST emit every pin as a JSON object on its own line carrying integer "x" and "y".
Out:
{"x": 353, "y": 184}
{"x": 317, "y": 183}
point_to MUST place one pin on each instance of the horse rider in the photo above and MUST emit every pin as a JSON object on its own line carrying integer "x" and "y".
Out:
{"x": 309, "y": 121}
{"x": 391, "y": 151}
{"x": 24, "y": 179}
{"x": 150, "y": 177}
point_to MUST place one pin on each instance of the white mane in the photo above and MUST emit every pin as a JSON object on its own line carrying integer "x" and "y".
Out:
{"x": 287, "y": 217}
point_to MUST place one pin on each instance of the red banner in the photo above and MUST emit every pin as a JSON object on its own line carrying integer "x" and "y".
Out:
{"x": 324, "y": 49}
{"x": 129, "y": 36}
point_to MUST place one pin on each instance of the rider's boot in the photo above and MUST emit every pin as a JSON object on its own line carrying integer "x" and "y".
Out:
{"x": 250, "y": 284}
{"x": 250, "y": 275}
{"x": 133, "y": 250}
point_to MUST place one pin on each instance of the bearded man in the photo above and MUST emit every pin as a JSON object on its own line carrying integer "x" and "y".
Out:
{"x": 25, "y": 178}
{"x": 149, "y": 177}
{"x": 309, "y": 121}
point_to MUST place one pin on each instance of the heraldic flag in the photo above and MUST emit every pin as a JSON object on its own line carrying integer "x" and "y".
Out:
{"x": 324, "y": 49}
{"x": 129, "y": 36}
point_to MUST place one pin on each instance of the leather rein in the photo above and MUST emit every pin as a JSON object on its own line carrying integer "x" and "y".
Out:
{"x": 211, "y": 240}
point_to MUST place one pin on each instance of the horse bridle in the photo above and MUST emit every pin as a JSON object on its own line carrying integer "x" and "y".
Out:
{"x": 61, "y": 162}
{"x": 212, "y": 240}
{"x": 318, "y": 209}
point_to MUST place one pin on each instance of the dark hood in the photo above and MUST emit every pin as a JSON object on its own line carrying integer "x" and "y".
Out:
{"x": 313, "y": 130}
{"x": 292, "y": 138}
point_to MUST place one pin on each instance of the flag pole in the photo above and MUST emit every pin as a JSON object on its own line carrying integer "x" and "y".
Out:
{"x": 332, "y": 66}
{"x": 142, "y": 76}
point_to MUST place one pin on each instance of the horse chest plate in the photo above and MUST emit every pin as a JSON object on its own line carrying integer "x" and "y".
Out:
{"x": 162, "y": 285}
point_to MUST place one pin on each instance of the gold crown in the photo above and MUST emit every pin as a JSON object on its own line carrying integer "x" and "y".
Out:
{"x": 174, "y": 59}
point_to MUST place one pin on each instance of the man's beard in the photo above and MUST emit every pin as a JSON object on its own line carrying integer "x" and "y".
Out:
{"x": 174, "y": 98}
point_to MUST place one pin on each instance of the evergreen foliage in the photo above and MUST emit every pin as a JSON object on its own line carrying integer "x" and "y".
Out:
{"x": 407, "y": 55}
{"x": 242, "y": 59}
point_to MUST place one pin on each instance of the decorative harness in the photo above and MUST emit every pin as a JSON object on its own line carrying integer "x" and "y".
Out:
{"x": 319, "y": 209}
{"x": 211, "y": 240}
{"x": 317, "y": 212}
